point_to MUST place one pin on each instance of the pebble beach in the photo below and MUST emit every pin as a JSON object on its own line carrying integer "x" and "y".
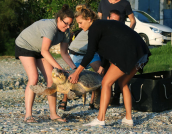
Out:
{"x": 13, "y": 81}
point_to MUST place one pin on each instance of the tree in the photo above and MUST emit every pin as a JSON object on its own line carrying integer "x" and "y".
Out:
{"x": 8, "y": 21}
{"x": 16, "y": 15}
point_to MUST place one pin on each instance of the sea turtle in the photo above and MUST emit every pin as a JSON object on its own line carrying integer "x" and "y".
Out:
{"x": 88, "y": 81}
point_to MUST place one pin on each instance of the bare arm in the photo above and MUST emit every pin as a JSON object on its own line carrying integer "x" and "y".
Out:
{"x": 65, "y": 55}
{"x": 100, "y": 15}
{"x": 46, "y": 43}
{"x": 132, "y": 20}
{"x": 101, "y": 71}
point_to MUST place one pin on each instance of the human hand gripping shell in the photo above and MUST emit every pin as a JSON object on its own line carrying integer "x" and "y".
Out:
{"x": 73, "y": 78}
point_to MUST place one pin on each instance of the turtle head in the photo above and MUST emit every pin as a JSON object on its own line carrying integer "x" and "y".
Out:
{"x": 58, "y": 76}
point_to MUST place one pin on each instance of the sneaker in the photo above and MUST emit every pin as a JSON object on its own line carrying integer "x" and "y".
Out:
{"x": 95, "y": 122}
{"x": 127, "y": 122}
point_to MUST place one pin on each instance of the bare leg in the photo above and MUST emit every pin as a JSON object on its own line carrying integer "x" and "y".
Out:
{"x": 110, "y": 77}
{"x": 46, "y": 70}
{"x": 108, "y": 80}
{"x": 29, "y": 64}
{"x": 112, "y": 74}
{"x": 63, "y": 104}
{"x": 126, "y": 92}
{"x": 92, "y": 97}
{"x": 65, "y": 97}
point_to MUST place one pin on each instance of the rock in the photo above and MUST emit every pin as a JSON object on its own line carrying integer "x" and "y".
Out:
{"x": 55, "y": 49}
{"x": 17, "y": 83}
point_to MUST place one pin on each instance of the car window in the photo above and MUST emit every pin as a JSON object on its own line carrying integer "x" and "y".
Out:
{"x": 143, "y": 17}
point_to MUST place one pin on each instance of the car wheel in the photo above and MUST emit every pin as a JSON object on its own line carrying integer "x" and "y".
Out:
{"x": 145, "y": 38}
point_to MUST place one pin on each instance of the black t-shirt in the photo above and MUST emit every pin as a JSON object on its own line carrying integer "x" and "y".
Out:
{"x": 123, "y": 6}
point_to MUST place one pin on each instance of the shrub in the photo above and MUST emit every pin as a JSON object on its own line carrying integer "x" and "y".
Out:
{"x": 9, "y": 47}
{"x": 15, "y": 15}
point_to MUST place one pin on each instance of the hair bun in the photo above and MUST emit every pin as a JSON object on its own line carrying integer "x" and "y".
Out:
{"x": 65, "y": 7}
{"x": 80, "y": 7}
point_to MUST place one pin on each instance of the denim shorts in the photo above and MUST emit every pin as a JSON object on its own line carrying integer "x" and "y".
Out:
{"x": 77, "y": 59}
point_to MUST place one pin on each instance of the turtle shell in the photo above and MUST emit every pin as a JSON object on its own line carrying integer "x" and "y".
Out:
{"x": 87, "y": 78}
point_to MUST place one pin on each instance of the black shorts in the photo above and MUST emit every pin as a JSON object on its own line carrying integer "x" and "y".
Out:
{"x": 27, "y": 53}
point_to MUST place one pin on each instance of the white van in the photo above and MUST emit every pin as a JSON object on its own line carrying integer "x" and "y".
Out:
{"x": 149, "y": 29}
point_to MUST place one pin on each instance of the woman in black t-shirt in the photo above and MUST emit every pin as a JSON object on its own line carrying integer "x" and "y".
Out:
{"x": 117, "y": 44}
{"x": 123, "y": 6}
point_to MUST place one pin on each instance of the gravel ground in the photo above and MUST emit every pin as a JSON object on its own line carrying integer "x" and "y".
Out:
{"x": 12, "y": 110}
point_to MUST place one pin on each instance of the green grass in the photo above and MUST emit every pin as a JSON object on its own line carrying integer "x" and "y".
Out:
{"x": 160, "y": 60}
{"x": 56, "y": 55}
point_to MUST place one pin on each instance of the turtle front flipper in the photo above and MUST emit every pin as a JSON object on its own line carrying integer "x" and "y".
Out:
{"x": 41, "y": 90}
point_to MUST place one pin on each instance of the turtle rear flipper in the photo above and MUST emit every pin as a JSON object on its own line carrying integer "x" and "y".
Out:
{"x": 41, "y": 90}
{"x": 71, "y": 95}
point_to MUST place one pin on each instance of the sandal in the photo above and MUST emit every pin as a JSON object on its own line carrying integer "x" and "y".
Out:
{"x": 30, "y": 119}
{"x": 58, "y": 120}
{"x": 62, "y": 105}
{"x": 91, "y": 106}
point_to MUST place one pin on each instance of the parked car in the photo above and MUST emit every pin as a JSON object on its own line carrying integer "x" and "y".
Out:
{"x": 149, "y": 29}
